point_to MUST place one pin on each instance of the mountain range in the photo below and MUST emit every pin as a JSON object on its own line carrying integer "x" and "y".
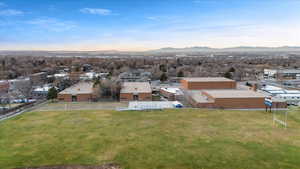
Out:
{"x": 233, "y": 49}
{"x": 149, "y": 52}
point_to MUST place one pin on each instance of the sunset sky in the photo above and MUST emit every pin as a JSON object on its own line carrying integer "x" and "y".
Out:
{"x": 145, "y": 24}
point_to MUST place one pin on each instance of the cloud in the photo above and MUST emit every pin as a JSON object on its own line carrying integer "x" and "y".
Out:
{"x": 10, "y": 12}
{"x": 53, "y": 24}
{"x": 153, "y": 18}
{"x": 96, "y": 11}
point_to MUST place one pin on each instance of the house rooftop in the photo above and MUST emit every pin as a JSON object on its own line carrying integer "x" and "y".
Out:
{"x": 296, "y": 71}
{"x": 234, "y": 94}
{"x": 79, "y": 88}
{"x": 199, "y": 97}
{"x": 172, "y": 90}
{"x": 39, "y": 73}
{"x": 136, "y": 87}
{"x": 207, "y": 79}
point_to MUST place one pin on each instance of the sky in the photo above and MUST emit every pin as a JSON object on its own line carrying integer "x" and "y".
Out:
{"x": 147, "y": 24}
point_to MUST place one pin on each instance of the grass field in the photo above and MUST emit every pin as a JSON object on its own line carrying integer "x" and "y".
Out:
{"x": 169, "y": 139}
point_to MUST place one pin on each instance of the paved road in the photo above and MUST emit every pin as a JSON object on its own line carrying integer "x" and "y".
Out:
{"x": 22, "y": 110}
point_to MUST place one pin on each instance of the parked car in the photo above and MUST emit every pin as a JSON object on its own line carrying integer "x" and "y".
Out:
{"x": 24, "y": 100}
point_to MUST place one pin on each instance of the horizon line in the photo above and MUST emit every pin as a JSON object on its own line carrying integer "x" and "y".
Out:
{"x": 146, "y": 50}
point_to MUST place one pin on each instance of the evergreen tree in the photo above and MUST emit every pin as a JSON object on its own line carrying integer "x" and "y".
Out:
{"x": 163, "y": 77}
{"x": 232, "y": 69}
{"x": 52, "y": 93}
{"x": 228, "y": 75}
{"x": 163, "y": 68}
{"x": 180, "y": 74}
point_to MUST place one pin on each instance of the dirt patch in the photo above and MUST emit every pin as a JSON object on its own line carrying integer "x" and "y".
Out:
{"x": 106, "y": 166}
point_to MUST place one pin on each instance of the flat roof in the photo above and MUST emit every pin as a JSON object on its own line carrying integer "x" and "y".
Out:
{"x": 197, "y": 96}
{"x": 172, "y": 90}
{"x": 292, "y": 91}
{"x": 79, "y": 88}
{"x": 296, "y": 71}
{"x": 289, "y": 95}
{"x": 234, "y": 94}
{"x": 136, "y": 87}
{"x": 207, "y": 79}
{"x": 269, "y": 88}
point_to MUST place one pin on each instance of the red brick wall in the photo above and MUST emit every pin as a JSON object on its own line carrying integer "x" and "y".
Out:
{"x": 240, "y": 103}
{"x": 184, "y": 84}
{"x": 142, "y": 97}
{"x": 84, "y": 97}
{"x": 253, "y": 103}
{"x": 208, "y": 85}
{"x": 64, "y": 97}
{"x": 4, "y": 87}
{"x": 80, "y": 97}
{"x": 126, "y": 96}
{"x": 145, "y": 96}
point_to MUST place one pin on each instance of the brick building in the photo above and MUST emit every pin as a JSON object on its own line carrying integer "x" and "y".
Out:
{"x": 80, "y": 92}
{"x": 140, "y": 91}
{"x": 227, "y": 99}
{"x": 207, "y": 83}
{"x": 221, "y": 93}
{"x": 171, "y": 93}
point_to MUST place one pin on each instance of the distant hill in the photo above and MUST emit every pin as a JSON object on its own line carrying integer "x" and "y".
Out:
{"x": 150, "y": 52}
{"x": 233, "y": 49}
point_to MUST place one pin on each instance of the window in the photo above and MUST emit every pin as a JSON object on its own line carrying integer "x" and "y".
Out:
{"x": 135, "y": 97}
{"x": 74, "y": 98}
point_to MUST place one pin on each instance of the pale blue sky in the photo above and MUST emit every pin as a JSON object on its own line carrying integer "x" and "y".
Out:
{"x": 144, "y": 24}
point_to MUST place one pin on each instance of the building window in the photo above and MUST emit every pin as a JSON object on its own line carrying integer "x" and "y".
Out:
{"x": 135, "y": 97}
{"x": 74, "y": 98}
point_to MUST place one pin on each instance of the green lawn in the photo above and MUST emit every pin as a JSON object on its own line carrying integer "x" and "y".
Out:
{"x": 170, "y": 139}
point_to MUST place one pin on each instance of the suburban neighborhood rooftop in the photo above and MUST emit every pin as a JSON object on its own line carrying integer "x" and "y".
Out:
{"x": 234, "y": 94}
{"x": 136, "y": 87}
{"x": 79, "y": 88}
